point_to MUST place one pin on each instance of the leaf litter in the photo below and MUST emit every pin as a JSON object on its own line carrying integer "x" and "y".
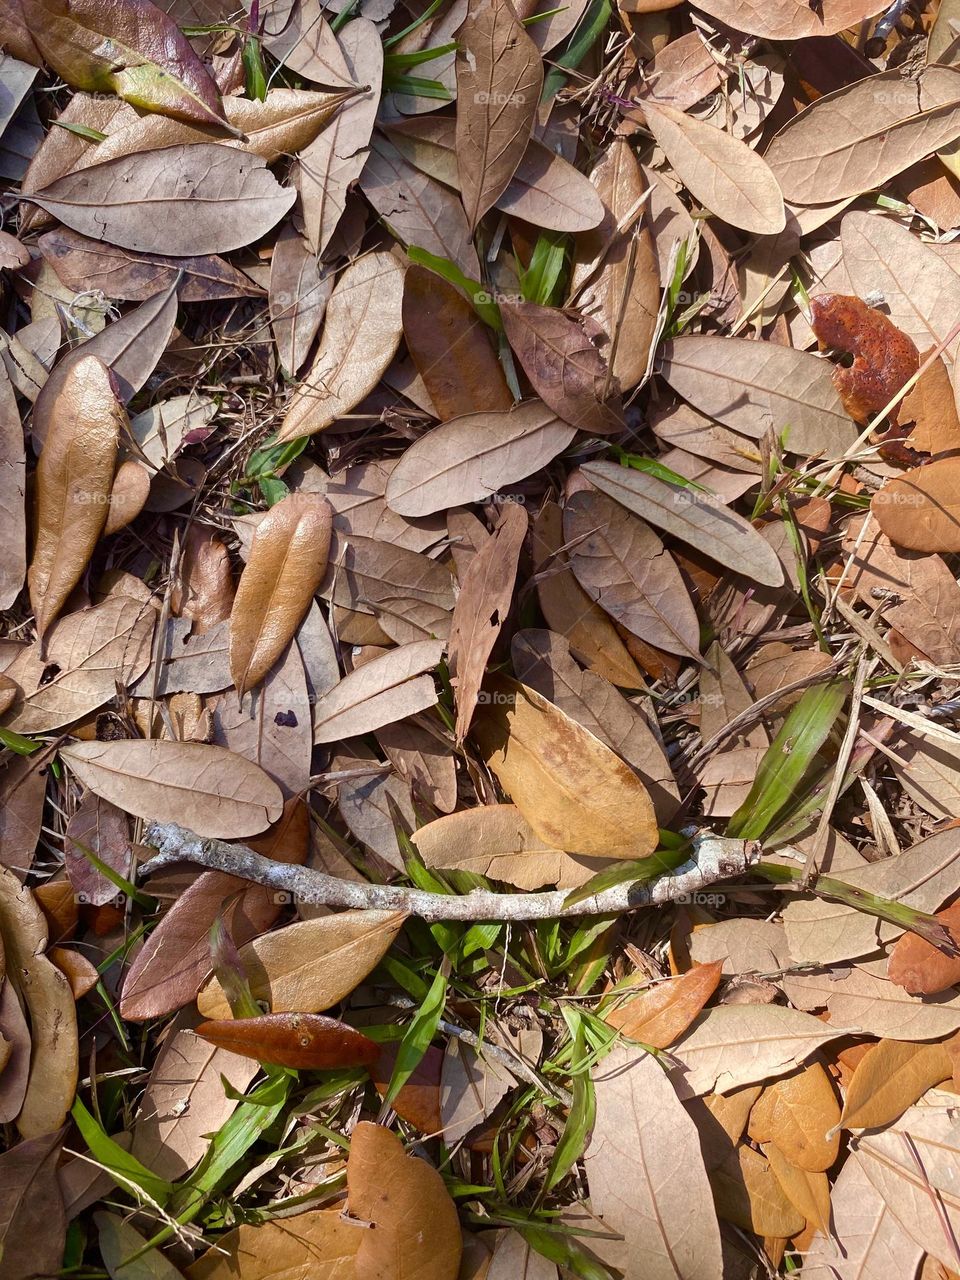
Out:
{"x": 480, "y": 653}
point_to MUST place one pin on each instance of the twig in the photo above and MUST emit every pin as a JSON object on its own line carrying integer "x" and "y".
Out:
{"x": 714, "y": 858}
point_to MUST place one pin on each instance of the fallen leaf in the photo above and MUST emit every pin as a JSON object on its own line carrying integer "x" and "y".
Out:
{"x": 930, "y": 405}
{"x": 98, "y": 828}
{"x": 861, "y": 998}
{"x": 471, "y": 1086}
{"x": 299, "y": 293}
{"x": 719, "y": 171}
{"x": 576, "y": 794}
{"x": 797, "y": 1112}
{"x": 191, "y": 200}
{"x": 135, "y": 51}
{"x": 883, "y": 357}
{"x": 756, "y": 387}
{"x": 304, "y": 1041}
{"x": 499, "y": 78}
{"x": 647, "y": 1178}
{"x": 13, "y": 479}
{"x": 415, "y": 1227}
{"x": 46, "y": 994}
{"x": 686, "y": 514}
{"x": 33, "y": 1223}
{"x": 747, "y": 1193}
{"x": 785, "y": 20}
{"x": 469, "y": 458}
{"x": 308, "y": 966}
{"x": 919, "y": 967}
{"x": 74, "y": 478}
{"x": 118, "y": 1240}
{"x": 808, "y": 1191}
{"x": 286, "y": 564}
{"x": 208, "y": 789}
{"x": 361, "y": 333}
{"x": 486, "y": 593}
{"x": 320, "y": 1242}
{"x": 388, "y": 688}
{"x": 892, "y": 1076}
{"x": 410, "y": 595}
{"x": 919, "y": 509}
{"x": 622, "y": 565}
{"x": 561, "y": 357}
{"x": 662, "y": 1011}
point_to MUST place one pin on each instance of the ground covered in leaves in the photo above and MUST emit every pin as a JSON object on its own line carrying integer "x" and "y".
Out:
{"x": 480, "y": 659}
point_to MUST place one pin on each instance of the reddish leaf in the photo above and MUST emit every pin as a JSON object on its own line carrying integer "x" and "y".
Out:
{"x": 307, "y": 1041}
{"x": 883, "y": 357}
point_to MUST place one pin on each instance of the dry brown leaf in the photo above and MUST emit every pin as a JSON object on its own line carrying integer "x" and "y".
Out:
{"x": 33, "y": 1223}
{"x": 808, "y": 1192}
{"x": 891, "y": 1077}
{"x": 469, "y": 458}
{"x": 884, "y": 359}
{"x": 208, "y": 789}
{"x": 494, "y": 840}
{"x": 361, "y": 333}
{"x": 286, "y": 564}
{"x": 786, "y": 20}
{"x": 388, "y": 688}
{"x": 860, "y": 136}
{"x": 756, "y": 387}
{"x": 470, "y": 1089}
{"x": 615, "y": 272}
{"x": 797, "y": 1112}
{"x": 451, "y": 347}
{"x": 622, "y": 565}
{"x": 930, "y": 405}
{"x": 574, "y": 791}
{"x": 46, "y": 994}
{"x": 861, "y": 998}
{"x": 308, "y": 966}
{"x": 683, "y": 512}
{"x": 919, "y": 967}
{"x": 74, "y": 478}
{"x": 499, "y": 78}
{"x": 570, "y": 611}
{"x": 718, "y": 170}
{"x": 662, "y": 1011}
{"x": 920, "y": 510}
{"x": 748, "y": 1194}
{"x": 560, "y": 354}
{"x": 299, "y": 292}
{"x": 12, "y": 489}
{"x": 486, "y": 594}
{"x": 646, "y": 1172}
{"x": 320, "y": 1241}
{"x": 416, "y": 1232}
{"x": 185, "y": 200}
{"x": 77, "y": 669}
{"x": 410, "y": 595}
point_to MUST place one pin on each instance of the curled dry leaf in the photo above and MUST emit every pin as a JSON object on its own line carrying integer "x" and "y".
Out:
{"x": 385, "y": 689}
{"x": 184, "y": 200}
{"x": 467, "y": 459}
{"x": 304, "y": 1041}
{"x": 576, "y": 794}
{"x": 883, "y": 357}
{"x": 662, "y": 1011}
{"x": 128, "y": 496}
{"x": 486, "y": 594}
{"x": 212, "y": 791}
{"x": 286, "y": 564}
{"x": 134, "y": 50}
{"x": 719, "y": 170}
{"x": 49, "y": 1002}
{"x": 499, "y": 79}
{"x": 361, "y": 333}
{"x": 74, "y": 479}
{"x": 561, "y": 357}
{"x": 920, "y": 510}
{"x": 310, "y": 965}
{"x": 415, "y": 1231}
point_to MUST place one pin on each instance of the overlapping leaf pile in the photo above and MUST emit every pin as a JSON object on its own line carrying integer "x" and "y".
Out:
{"x": 480, "y": 492}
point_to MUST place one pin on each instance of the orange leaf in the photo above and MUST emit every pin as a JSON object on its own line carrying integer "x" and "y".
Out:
{"x": 308, "y": 1041}
{"x": 663, "y": 1011}
{"x": 919, "y": 967}
{"x": 883, "y": 357}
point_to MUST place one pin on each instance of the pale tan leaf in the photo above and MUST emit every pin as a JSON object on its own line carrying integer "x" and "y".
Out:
{"x": 287, "y": 561}
{"x": 208, "y": 789}
{"x": 718, "y": 170}
{"x": 299, "y": 292}
{"x": 756, "y": 387}
{"x": 499, "y": 78}
{"x": 715, "y": 530}
{"x": 470, "y": 1089}
{"x": 319, "y": 1244}
{"x": 74, "y": 477}
{"x": 787, "y": 20}
{"x": 572, "y": 789}
{"x": 362, "y": 330}
{"x": 12, "y": 488}
{"x": 467, "y": 459}
{"x": 388, "y": 688}
{"x": 861, "y": 998}
{"x": 647, "y": 1178}
{"x": 308, "y": 966}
